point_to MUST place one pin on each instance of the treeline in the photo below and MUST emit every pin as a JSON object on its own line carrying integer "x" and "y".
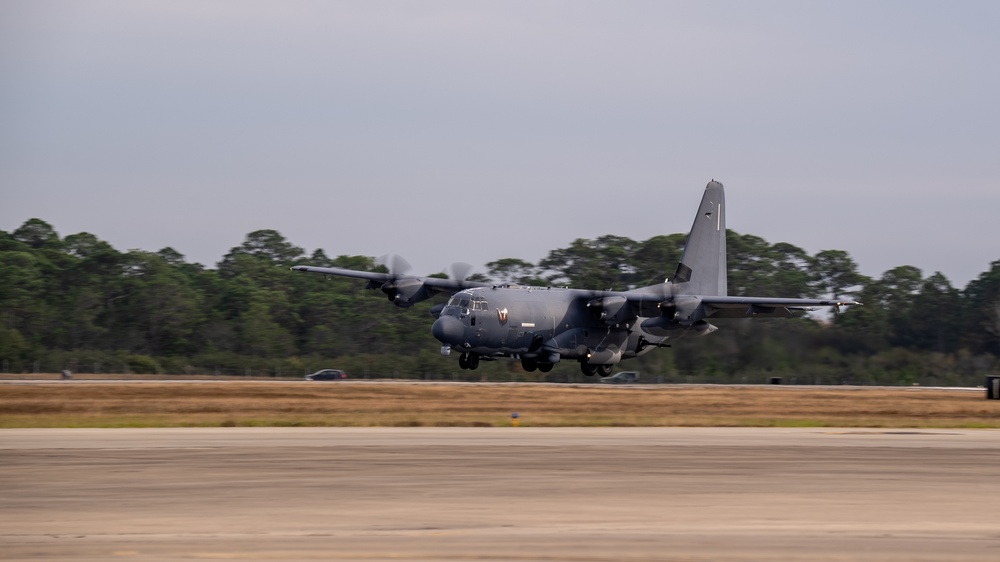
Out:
{"x": 78, "y": 303}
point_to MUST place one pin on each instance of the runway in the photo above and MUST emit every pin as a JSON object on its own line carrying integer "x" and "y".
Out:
{"x": 691, "y": 494}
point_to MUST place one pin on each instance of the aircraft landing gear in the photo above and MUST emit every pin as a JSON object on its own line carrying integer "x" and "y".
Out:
{"x": 469, "y": 361}
{"x": 591, "y": 370}
{"x": 531, "y": 365}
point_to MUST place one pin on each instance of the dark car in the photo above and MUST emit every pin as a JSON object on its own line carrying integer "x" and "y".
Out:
{"x": 327, "y": 375}
{"x": 624, "y": 377}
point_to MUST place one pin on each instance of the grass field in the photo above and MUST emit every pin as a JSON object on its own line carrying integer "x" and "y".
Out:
{"x": 398, "y": 404}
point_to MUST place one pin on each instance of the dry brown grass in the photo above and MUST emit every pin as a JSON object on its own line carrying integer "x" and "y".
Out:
{"x": 177, "y": 404}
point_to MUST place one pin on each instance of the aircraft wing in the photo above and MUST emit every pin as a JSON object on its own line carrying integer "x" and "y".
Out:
{"x": 369, "y": 275}
{"x": 402, "y": 290}
{"x": 692, "y": 311}
{"x": 615, "y": 307}
{"x": 740, "y": 307}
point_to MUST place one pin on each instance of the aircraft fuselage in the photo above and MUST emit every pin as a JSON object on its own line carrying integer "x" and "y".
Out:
{"x": 539, "y": 324}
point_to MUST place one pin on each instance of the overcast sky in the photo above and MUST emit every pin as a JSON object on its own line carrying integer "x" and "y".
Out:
{"x": 473, "y": 131}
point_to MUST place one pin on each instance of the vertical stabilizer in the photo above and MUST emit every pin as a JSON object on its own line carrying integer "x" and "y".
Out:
{"x": 702, "y": 270}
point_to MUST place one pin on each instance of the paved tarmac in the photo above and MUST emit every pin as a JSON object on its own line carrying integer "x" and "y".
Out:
{"x": 605, "y": 494}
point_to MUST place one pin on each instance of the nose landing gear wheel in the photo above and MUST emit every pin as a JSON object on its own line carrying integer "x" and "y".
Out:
{"x": 469, "y": 361}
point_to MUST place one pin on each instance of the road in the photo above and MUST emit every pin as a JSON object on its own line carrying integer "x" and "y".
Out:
{"x": 699, "y": 494}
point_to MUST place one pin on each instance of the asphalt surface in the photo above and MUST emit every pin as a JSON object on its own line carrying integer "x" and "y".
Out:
{"x": 691, "y": 494}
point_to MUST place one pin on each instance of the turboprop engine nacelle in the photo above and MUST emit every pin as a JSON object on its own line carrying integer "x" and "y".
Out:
{"x": 611, "y": 310}
{"x": 606, "y": 356}
{"x": 404, "y": 292}
{"x": 662, "y": 327}
{"x": 667, "y": 327}
{"x": 702, "y": 328}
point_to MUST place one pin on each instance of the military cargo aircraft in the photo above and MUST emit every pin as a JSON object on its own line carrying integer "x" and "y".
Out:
{"x": 542, "y": 326}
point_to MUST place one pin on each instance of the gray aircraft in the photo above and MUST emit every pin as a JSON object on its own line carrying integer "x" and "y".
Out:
{"x": 542, "y": 326}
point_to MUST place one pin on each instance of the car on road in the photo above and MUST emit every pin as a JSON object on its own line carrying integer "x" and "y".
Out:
{"x": 624, "y": 377}
{"x": 327, "y": 375}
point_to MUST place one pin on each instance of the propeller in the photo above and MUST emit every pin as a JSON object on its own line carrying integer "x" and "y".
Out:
{"x": 459, "y": 271}
{"x": 403, "y": 289}
{"x": 398, "y": 267}
{"x": 396, "y": 264}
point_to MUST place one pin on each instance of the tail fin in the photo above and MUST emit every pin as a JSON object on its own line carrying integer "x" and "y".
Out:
{"x": 702, "y": 270}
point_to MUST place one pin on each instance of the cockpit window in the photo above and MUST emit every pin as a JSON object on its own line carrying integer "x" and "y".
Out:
{"x": 466, "y": 303}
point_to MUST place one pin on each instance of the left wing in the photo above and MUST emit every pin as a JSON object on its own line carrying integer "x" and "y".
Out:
{"x": 402, "y": 290}
{"x": 741, "y": 307}
{"x": 660, "y": 300}
{"x": 665, "y": 313}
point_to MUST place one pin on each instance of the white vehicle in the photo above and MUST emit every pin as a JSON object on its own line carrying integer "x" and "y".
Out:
{"x": 624, "y": 377}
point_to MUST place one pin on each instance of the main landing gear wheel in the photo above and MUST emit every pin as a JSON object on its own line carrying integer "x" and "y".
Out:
{"x": 545, "y": 367}
{"x": 529, "y": 365}
{"x": 469, "y": 361}
{"x": 591, "y": 370}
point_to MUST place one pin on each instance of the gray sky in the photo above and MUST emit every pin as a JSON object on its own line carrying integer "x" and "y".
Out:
{"x": 473, "y": 131}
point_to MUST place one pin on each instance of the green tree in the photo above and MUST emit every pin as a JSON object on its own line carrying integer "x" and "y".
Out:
{"x": 79, "y": 300}
{"x": 37, "y": 234}
{"x": 935, "y": 319}
{"x": 89, "y": 286}
{"x": 900, "y": 286}
{"x": 656, "y": 259}
{"x": 982, "y": 311}
{"x": 792, "y": 277}
{"x": 514, "y": 270}
{"x": 751, "y": 265}
{"x": 603, "y": 263}
{"x": 835, "y": 273}
{"x": 260, "y": 335}
{"x": 261, "y": 250}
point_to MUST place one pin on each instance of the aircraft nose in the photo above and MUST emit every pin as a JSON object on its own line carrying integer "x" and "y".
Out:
{"x": 448, "y": 329}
